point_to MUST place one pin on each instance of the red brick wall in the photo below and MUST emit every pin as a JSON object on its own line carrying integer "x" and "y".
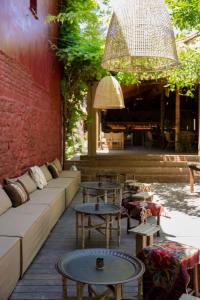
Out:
{"x": 30, "y": 104}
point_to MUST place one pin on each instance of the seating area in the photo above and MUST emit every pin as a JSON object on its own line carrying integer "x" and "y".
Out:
{"x": 41, "y": 277}
{"x": 99, "y": 150}
{"x": 24, "y": 228}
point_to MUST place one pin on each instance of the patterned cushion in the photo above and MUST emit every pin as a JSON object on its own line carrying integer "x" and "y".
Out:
{"x": 38, "y": 176}
{"x": 16, "y": 192}
{"x": 54, "y": 171}
{"x": 27, "y": 182}
{"x": 58, "y": 165}
{"x": 46, "y": 172}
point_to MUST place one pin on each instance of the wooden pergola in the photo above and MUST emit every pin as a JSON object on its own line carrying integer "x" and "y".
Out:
{"x": 95, "y": 128}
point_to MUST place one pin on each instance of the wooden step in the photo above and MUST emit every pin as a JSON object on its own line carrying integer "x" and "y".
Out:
{"x": 145, "y": 168}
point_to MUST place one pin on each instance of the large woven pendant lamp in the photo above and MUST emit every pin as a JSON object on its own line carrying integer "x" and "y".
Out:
{"x": 108, "y": 94}
{"x": 140, "y": 37}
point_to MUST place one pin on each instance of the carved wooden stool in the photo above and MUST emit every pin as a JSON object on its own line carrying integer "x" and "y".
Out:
{"x": 144, "y": 235}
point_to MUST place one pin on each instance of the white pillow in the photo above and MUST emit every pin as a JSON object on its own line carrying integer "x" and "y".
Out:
{"x": 38, "y": 176}
{"x": 74, "y": 168}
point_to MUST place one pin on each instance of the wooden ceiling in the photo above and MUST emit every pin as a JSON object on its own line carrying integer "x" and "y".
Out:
{"x": 142, "y": 91}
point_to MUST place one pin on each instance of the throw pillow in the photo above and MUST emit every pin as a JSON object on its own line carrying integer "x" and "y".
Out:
{"x": 27, "y": 182}
{"x": 17, "y": 194}
{"x": 53, "y": 170}
{"x": 58, "y": 165}
{"x": 73, "y": 168}
{"x": 38, "y": 176}
{"x": 46, "y": 172}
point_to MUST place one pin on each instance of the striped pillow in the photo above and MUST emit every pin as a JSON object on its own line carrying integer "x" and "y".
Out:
{"x": 16, "y": 192}
{"x": 53, "y": 170}
{"x": 58, "y": 165}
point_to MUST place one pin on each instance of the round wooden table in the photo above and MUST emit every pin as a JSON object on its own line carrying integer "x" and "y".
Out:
{"x": 102, "y": 189}
{"x": 111, "y": 176}
{"x": 118, "y": 268}
{"x": 106, "y": 212}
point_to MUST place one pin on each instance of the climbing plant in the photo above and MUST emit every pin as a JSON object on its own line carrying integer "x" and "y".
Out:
{"x": 80, "y": 49}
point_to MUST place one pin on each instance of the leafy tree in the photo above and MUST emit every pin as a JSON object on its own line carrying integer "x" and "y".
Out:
{"x": 187, "y": 74}
{"x": 186, "y": 16}
{"x": 185, "y": 13}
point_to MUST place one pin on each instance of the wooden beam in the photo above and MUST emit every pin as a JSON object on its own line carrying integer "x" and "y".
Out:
{"x": 93, "y": 125}
{"x": 162, "y": 111}
{"x": 177, "y": 122}
{"x": 199, "y": 119}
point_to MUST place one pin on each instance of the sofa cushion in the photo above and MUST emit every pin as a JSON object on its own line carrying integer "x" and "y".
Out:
{"x": 38, "y": 176}
{"x": 70, "y": 173}
{"x": 58, "y": 165}
{"x": 53, "y": 170}
{"x": 46, "y": 196}
{"x": 5, "y": 202}
{"x": 9, "y": 265}
{"x": 27, "y": 182}
{"x": 31, "y": 224}
{"x": 16, "y": 192}
{"x": 16, "y": 225}
{"x": 54, "y": 198}
{"x": 70, "y": 185}
{"x": 46, "y": 172}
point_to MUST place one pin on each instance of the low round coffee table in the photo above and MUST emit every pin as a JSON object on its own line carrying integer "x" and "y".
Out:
{"x": 105, "y": 211}
{"x": 102, "y": 188}
{"x": 118, "y": 268}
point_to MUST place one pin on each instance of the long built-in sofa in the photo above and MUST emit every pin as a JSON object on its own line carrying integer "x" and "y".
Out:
{"x": 23, "y": 229}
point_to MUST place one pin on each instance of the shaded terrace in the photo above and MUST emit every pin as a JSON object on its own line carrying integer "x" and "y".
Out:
{"x": 42, "y": 281}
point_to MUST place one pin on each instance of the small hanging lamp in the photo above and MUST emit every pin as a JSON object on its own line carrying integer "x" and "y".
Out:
{"x": 140, "y": 37}
{"x": 108, "y": 94}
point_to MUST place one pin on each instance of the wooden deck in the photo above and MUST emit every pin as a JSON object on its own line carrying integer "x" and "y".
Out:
{"x": 42, "y": 281}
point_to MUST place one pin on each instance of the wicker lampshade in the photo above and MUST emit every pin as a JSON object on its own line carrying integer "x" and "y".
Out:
{"x": 140, "y": 37}
{"x": 108, "y": 94}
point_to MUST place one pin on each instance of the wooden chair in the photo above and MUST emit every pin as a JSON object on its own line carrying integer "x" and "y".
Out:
{"x": 148, "y": 139}
{"x": 170, "y": 142}
{"x": 118, "y": 140}
{"x": 102, "y": 143}
{"x": 108, "y": 137}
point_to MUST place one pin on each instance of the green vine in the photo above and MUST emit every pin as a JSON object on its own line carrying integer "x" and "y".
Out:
{"x": 80, "y": 48}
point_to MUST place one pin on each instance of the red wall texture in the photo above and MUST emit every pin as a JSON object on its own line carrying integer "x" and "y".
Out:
{"x": 30, "y": 104}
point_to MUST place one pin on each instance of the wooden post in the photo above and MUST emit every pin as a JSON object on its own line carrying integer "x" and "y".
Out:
{"x": 199, "y": 119}
{"x": 63, "y": 132}
{"x": 177, "y": 122}
{"x": 162, "y": 112}
{"x": 92, "y": 127}
{"x": 99, "y": 130}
